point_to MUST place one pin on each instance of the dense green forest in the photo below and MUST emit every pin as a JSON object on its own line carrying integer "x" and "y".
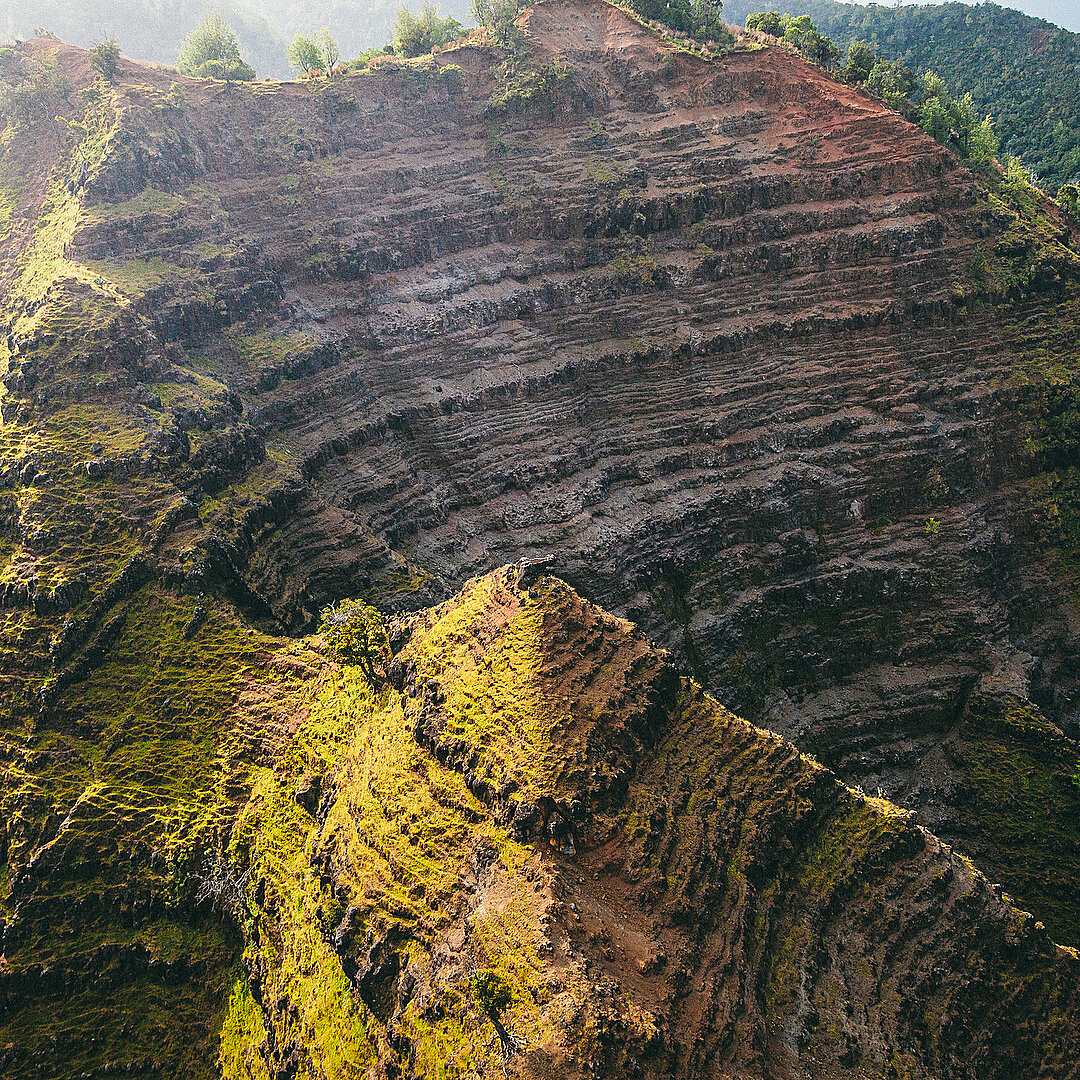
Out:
{"x": 1024, "y": 71}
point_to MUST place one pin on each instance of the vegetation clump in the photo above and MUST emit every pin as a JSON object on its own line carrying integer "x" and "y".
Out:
{"x": 698, "y": 19}
{"x": 211, "y": 51}
{"x": 354, "y": 634}
{"x": 415, "y": 35}
{"x": 954, "y": 122}
{"x": 1068, "y": 198}
{"x": 701, "y": 19}
{"x": 521, "y": 88}
{"x": 493, "y": 993}
{"x": 799, "y": 32}
{"x": 32, "y": 89}
{"x": 105, "y": 58}
{"x": 497, "y": 19}
{"x": 314, "y": 54}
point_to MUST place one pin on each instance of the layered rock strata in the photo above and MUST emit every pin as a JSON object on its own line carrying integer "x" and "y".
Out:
{"x": 727, "y": 345}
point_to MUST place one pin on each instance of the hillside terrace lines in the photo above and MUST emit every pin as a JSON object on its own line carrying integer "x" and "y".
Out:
{"x": 472, "y": 443}
{"x": 455, "y": 378}
{"x": 410, "y": 311}
{"x": 660, "y": 333}
{"x": 431, "y": 233}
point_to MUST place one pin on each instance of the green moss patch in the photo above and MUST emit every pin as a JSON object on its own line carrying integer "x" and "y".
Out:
{"x": 108, "y": 812}
{"x": 1023, "y": 797}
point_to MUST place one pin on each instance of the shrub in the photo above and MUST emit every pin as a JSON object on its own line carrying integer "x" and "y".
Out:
{"x": 1068, "y": 198}
{"x": 354, "y": 634}
{"x": 798, "y": 31}
{"x": 523, "y": 91}
{"x": 767, "y": 22}
{"x": 223, "y": 885}
{"x": 491, "y": 992}
{"x": 211, "y": 51}
{"x": 31, "y": 90}
{"x": 105, "y": 58}
{"x": 314, "y": 53}
{"x": 175, "y": 98}
{"x": 497, "y": 18}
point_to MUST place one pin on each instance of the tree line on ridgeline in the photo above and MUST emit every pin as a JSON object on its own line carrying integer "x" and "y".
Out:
{"x": 212, "y": 50}
{"x": 1024, "y": 71}
{"x": 954, "y": 121}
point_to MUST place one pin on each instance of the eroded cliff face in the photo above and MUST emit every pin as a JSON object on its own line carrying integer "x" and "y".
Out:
{"x": 737, "y": 351}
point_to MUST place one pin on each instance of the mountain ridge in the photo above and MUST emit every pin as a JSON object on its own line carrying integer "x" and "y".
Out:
{"x": 1018, "y": 68}
{"x": 714, "y": 340}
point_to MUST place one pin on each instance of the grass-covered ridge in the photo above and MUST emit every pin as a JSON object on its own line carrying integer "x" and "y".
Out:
{"x": 378, "y": 836}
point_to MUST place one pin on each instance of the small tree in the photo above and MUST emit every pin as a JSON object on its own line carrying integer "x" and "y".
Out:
{"x": 705, "y": 18}
{"x": 820, "y": 49}
{"x": 211, "y": 51}
{"x": 768, "y": 22}
{"x": 932, "y": 112}
{"x": 493, "y": 994}
{"x": 354, "y": 634}
{"x": 105, "y": 58}
{"x": 815, "y": 46}
{"x": 305, "y": 55}
{"x": 1068, "y": 198}
{"x": 497, "y": 18}
{"x": 978, "y": 139}
{"x": 328, "y": 49}
{"x": 415, "y": 35}
{"x": 893, "y": 81}
{"x": 797, "y": 30}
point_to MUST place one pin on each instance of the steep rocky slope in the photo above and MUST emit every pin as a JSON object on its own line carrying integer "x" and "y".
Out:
{"x": 1018, "y": 68}
{"x": 745, "y": 356}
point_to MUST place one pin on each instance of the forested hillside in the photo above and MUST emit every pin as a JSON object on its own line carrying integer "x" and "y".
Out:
{"x": 1024, "y": 71}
